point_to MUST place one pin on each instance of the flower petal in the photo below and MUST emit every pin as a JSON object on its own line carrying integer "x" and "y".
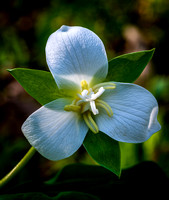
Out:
{"x": 134, "y": 117}
{"x": 74, "y": 54}
{"x": 55, "y": 133}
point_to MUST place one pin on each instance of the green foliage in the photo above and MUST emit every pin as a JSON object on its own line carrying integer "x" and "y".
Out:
{"x": 128, "y": 67}
{"x": 39, "y": 84}
{"x": 104, "y": 150}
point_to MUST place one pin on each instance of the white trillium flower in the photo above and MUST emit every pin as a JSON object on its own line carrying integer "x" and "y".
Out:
{"x": 78, "y": 62}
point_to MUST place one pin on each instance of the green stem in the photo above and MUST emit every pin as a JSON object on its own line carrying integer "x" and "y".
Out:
{"x": 18, "y": 167}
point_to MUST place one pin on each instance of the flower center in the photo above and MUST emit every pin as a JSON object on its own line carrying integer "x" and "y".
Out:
{"x": 87, "y": 100}
{"x": 88, "y": 96}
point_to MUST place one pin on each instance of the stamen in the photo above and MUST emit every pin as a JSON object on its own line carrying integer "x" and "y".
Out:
{"x": 84, "y": 85}
{"x": 90, "y": 122}
{"x": 72, "y": 107}
{"x": 104, "y": 105}
{"x": 106, "y": 85}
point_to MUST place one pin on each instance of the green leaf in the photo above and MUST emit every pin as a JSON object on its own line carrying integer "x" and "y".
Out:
{"x": 128, "y": 67}
{"x": 104, "y": 150}
{"x": 39, "y": 84}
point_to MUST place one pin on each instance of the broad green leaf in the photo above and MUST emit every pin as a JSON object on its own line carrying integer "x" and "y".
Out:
{"x": 39, "y": 84}
{"x": 128, "y": 67}
{"x": 104, "y": 150}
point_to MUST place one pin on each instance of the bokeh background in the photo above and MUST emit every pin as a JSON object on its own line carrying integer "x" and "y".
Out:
{"x": 123, "y": 25}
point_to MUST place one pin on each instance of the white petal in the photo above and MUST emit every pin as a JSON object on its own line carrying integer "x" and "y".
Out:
{"x": 74, "y": 54}
{"x": 55, "y": 133}
{"x": 134, "y": 117}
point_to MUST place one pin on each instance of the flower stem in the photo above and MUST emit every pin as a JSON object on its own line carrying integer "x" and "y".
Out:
{"x": 18, "y": 167}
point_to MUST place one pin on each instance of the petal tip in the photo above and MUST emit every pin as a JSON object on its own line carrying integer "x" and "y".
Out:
{"x": 64, "y": 28}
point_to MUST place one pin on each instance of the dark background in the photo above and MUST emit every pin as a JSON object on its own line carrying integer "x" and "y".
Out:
{"x": 123, "y": 25}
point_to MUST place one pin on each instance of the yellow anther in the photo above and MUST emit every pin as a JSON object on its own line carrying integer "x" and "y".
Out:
{"x": 106, "y": 85}
{"x": 104, "y": 105}
{"x": 84, "y": 85}
{"x": 72, "y": 107}
{"x": 90, "y": 122}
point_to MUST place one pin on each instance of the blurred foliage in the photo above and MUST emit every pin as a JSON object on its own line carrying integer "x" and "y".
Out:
{"x": 123, "y": 25}
{"x": 86, "y": 182}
